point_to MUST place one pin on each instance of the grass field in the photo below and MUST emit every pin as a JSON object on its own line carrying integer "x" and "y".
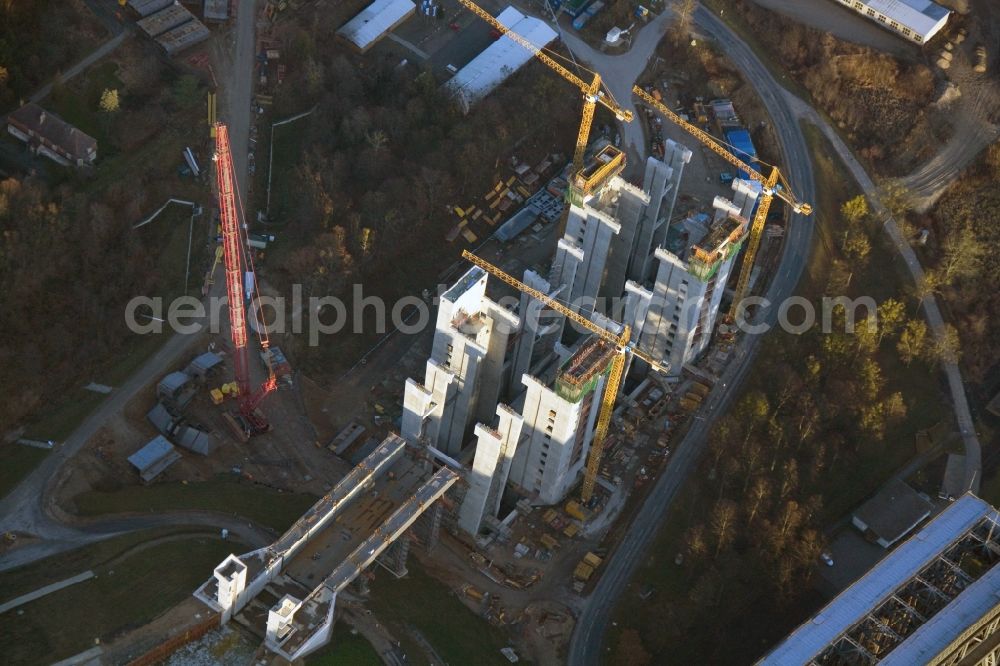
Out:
{"x": 345, "y": 648}
{"x": 456, "y": 634}
{"x": 132, "y": 586}
{"x": 260, "y": 504}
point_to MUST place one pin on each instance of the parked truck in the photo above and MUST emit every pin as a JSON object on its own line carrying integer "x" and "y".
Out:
{"x": 587, "y": 14}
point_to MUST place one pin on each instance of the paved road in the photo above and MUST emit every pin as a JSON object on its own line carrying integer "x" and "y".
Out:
{"x": 786, "y": 110}
{"x": 620, "y": 72}
{"x": 26, "y": 509}
{"x": 966, "y": 426}
{"x": 592, "y": 624}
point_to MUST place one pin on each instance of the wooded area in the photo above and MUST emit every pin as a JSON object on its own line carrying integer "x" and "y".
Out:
{"x": 824, "y": 420}
{"x": 39, "y": 38}
{"x": 70, "y": 260}
{"x": 964, "y": 225}
{"x": 878, "y": 101}
{"x": 387, "y": 156}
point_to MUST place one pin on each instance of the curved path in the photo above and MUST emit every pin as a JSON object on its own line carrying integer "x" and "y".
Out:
{"x": 786, "y": 111}
{"x": 592, "y": 624}
{"x": 27, "y": 508}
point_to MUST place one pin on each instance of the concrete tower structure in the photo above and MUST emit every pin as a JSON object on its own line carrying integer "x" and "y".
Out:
{"x": 673, "y": 318}
{"x": 490, "y": 469}
{"x": 539, "y": 330}
{"x": 465, "y": 371}
{"x": 559, "y": 423}
{"x": 644, "y": 216}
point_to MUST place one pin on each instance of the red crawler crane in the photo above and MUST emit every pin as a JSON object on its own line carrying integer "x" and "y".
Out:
{"x": 248, "y": 421}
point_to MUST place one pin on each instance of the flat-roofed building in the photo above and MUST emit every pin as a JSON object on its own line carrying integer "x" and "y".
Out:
{"x": 916, "y": 20}
{"x": 933, "y": 600}
{"x": 374, "y": 21}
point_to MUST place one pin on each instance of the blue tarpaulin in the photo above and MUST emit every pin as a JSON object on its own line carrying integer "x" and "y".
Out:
{"x": 741, "y": 145}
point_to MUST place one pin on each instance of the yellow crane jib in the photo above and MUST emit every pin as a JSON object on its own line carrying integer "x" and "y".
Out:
{"x": 594, "y": 92}
{"x": 622, "y": 345}
{"x": 773, "y": 185}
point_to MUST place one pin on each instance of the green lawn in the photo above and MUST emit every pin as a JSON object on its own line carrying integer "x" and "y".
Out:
{"x": 78, "y": 102}
{"x": 16, "y": 462}
{"x": 265, "y": 506}
{"x": 345, "y": 649}
{"x": 129, "y": 590}
{"x": 455, "y": 632}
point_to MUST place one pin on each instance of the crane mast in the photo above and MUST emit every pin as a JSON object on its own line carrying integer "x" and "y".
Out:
{"x": 593, "y": 92}
{"x": 232, "y": 252}
{"x": 771, "y": 186}
{"x": 623, "y": 346}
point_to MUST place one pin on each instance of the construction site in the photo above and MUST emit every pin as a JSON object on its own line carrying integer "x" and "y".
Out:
{"x": 590, "y": 310}
{"x": 506, "y": 464}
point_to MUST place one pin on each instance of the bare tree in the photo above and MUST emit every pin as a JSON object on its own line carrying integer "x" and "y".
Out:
{"x": 723, "y": 524}
{"x": 760, "y": 491}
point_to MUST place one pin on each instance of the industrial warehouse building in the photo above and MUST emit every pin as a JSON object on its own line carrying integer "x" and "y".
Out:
{"x": 500, "y": 59}
{"x": 933, "y": 600}
{"x": 916, "y": 20}
{"x": 375, "y": 21}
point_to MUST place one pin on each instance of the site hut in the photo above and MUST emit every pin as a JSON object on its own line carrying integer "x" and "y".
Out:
{"x": 916, "y": 20}
{"x": 673, "y": 318}
{"x": 374, "y": 22}
{"x": 146, "y": 7}
{"x": 892, "y": 513}
{"x": 216, "y": 10}
{"x": 932, "y": 600}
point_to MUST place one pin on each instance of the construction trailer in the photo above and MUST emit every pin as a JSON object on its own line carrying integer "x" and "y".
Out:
{"x": 159, "y": 22}
{"x": 183, "y": 37}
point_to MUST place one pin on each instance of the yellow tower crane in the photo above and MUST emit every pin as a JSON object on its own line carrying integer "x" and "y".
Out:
{"x": 594, "y": 93}
{"x": 773, "y": 185}
{"x": 623, "y": 346}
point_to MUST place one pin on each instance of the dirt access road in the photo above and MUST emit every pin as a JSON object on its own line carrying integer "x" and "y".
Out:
{"x": 786, "y": 111}
{"x": 591, "y": 627}
{"x": 26, "y": 509}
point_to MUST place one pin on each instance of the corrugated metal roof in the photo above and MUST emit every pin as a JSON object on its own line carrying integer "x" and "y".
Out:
{"x": 949, "y": 623}
{"x": 153, "y": 458}
{"x": 874, "y": 587}
{"x": 160, "y": 22}
{"x": 147, "y": 7}
{"x": 374, "y": 21}
{"x": 922, "y": 16}
{"x": 501, "y": 58}
{"x": 183, "y": 36}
